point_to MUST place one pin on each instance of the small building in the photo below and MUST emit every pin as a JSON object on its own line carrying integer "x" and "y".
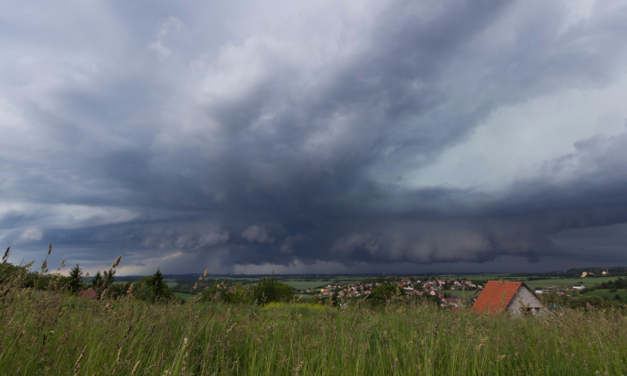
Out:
{"x": 579, "y": 287}
{"x": 513, "y": 297}
{"x": 453, "y": 301}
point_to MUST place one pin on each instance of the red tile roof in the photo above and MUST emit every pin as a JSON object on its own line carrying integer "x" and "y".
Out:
{"x": 89, "y": 294}
{"x": 495, "y": 296}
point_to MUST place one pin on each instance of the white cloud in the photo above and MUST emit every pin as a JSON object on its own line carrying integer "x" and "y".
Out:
{"x": 166, "y": 37}
{"x": 30, "y": 235}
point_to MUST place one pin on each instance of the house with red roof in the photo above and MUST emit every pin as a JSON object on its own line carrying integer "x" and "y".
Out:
{"x": 513, "y": 297}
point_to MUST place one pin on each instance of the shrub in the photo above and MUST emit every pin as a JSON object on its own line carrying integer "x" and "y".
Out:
{"x": 225, "y": 293}
{"x": 384, "y": 293}
{"x": 152, "y": 289}
{"x": 270, "y": 290}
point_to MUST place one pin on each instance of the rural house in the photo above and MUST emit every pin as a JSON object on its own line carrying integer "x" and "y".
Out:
{"x": 513, "y": 297}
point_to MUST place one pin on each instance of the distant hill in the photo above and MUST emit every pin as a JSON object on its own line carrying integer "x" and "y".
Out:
{"x": 598, "y": 272}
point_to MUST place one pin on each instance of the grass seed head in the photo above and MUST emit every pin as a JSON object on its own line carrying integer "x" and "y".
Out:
{"x": 116, "y": 262}
{"x": 6, "y": 255}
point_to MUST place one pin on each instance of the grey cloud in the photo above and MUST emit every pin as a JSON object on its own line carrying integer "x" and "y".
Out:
{"x": 256, "y": 234}
{"x": 291, "y": 241}
{"x": 264, "y": 143}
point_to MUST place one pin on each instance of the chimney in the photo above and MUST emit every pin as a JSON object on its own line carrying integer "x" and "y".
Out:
{"x": 502, "y": 282}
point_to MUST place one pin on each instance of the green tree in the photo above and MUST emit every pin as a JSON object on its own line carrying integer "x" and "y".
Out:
{"x": 96, "y": 282}
{"x": 153, "y": 289}
{"x": 384, "y": 293}
{"x": 270, "y": 290}
{"x": 75, "y": 284}
{"x": 158, "y": 283}
{"x": 108, "y": 279}
{"x": 225, "y": 293}
{"x": 118, "y": 290}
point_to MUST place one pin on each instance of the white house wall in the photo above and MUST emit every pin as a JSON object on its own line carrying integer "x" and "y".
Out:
{"x": 523, "y": 299}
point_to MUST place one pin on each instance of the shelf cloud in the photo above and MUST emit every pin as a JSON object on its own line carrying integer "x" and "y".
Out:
{"x": 357, "y": 137}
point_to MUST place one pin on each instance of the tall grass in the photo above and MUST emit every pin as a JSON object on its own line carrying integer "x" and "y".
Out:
{"x": 50, "y": 333}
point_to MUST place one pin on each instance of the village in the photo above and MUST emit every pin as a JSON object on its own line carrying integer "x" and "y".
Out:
{"x": 435, "y": 288}
{"x": 450, "y": 292}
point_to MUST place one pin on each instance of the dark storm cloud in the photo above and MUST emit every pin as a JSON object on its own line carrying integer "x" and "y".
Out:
{"x": 184, "y": 137}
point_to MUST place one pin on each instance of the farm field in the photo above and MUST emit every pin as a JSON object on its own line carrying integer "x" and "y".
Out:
{"x": 171, "y": 282}
{"x": 568, "y": 282}
{"x": 297, "y": 284}
{"x": 183, "y": 295}
{"x": 607, "y": 294}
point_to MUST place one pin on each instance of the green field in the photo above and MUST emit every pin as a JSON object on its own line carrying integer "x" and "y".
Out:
{"x": 568, "y": 282}
{"x": 304, "y": 297}
{"x": 183, "y": 295}
{"x": 171, "y": 282}
{"x": 298, "y": 284}
{"x": 608, "y": 294}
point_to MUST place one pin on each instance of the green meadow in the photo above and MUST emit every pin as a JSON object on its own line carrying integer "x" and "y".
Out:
{"x": 567, "y": 282}
{"x": 52, "y": 333}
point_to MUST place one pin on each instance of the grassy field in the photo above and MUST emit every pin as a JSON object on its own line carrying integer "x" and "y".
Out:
{"x": 568, "y": 282}
{"x": 48, "y": 333}
{"x": 300, "y": 285}
{"x": 297, "y": 284}
{"x": 171, "y": 282}
{"x": 608, "y": 294}
{"x": 183, "y": 295}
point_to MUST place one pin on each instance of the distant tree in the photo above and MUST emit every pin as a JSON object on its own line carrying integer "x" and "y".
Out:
{"x": 617, "y": 297}
{"x": 225, "y": 293}
{"x": 384, "y": 293}
{"x": 118, "y": 290}
{"x": 153, "y": 289}
{"x": 96, "y": 282}
{"x": 158, "y": 283}
{"x": 271, "y": 290}
{"x": 108, "y": 279}
{"x": 76, "y": 279}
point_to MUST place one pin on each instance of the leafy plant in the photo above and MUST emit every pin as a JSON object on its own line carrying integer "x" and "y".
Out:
{"x": 385, "y": 293}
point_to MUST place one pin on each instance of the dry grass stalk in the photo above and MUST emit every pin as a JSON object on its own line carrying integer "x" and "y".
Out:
{"x": 135, "y": 368}
{"x": 77, "y": 365}
{"x": 6, "y": 255}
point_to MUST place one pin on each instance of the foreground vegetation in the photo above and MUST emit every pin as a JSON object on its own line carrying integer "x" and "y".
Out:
{"x": 54, "y": 332}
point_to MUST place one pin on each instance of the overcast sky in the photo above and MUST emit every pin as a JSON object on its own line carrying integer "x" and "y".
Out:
{"x": 314, "y": 137}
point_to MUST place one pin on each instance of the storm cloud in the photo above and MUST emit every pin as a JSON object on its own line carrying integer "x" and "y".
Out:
{"x": 315, "y": 137}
